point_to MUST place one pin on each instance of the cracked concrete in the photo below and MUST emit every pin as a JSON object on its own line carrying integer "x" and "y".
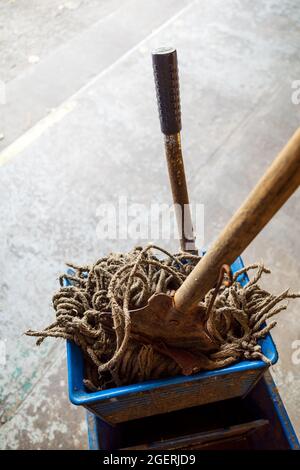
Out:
{"x": 237, "y": 63}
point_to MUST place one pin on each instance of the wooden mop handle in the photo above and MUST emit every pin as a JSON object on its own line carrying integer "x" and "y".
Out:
{"x": 275, "y": 187}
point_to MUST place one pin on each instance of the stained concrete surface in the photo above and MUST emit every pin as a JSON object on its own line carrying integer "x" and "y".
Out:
{"x": 101, "y": 141}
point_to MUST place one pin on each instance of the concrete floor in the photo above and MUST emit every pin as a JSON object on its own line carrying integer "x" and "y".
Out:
{"x": 80, "y": 128}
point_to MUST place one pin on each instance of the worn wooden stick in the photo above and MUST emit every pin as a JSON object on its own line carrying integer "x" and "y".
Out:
{"x": 275, "y": 187}
{"x": 165, "y": 70}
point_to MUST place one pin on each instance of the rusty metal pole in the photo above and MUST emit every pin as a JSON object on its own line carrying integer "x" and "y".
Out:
{"x": 165, "y": 70}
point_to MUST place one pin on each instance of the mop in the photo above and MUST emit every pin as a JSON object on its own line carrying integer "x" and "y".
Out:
{"x": 150, "y": 314}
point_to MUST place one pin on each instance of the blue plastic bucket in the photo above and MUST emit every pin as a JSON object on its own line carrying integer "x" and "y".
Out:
{"x": 153, "y": 397}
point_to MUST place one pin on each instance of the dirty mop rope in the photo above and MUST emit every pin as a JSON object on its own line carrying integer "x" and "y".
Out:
{"x": 94, "y": 313}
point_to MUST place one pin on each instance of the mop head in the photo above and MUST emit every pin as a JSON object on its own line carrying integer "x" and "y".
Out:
{"x": 93, "y": 311}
